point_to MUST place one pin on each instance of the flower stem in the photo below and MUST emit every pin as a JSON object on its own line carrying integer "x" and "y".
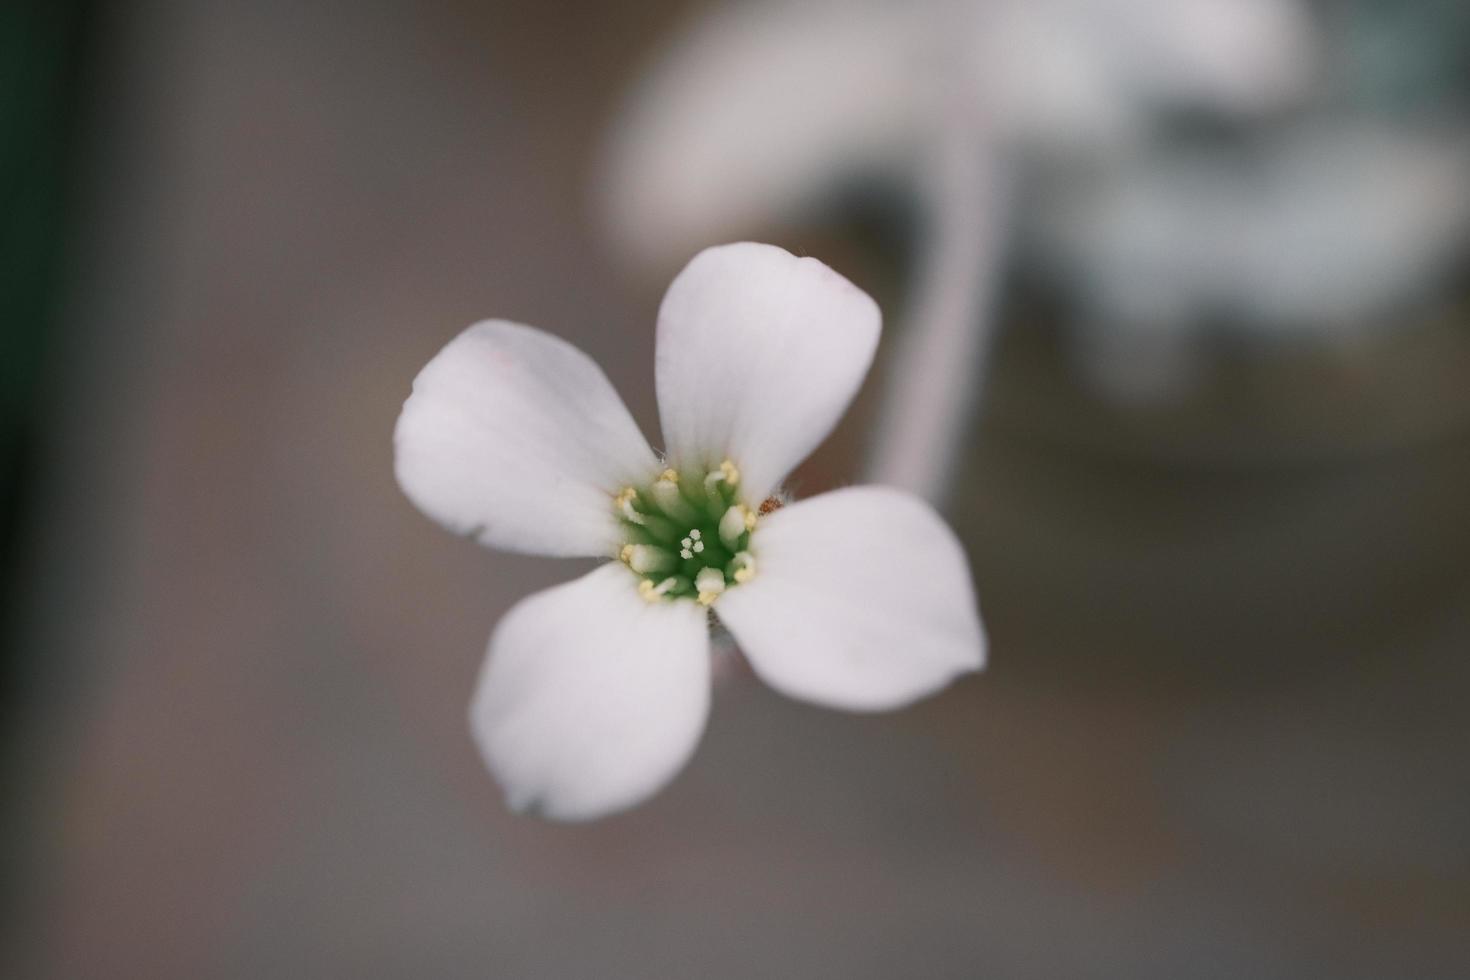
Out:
{"x": 939, "y": 363}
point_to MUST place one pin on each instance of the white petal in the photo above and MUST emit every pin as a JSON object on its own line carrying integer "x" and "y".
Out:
{"x": 861, "y": 600}
{"x": 592, "y": 698}
{"x": 517, "y": 438}
{"x": 759, "y": 354}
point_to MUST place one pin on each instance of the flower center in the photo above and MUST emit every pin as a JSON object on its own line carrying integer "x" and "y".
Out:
{"x": 687, "y": 534}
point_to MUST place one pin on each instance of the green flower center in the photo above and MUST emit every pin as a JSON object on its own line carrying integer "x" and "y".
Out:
{"x": 687, "y": 534}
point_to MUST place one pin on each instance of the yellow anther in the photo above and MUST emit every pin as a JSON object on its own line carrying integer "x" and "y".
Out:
{"x": 727, "y": 474}
{"x": 647, "y": 558}
{"x": 626, "y": 555}
{"x": 736, "y": 521}
{"x": 666, "y": 495}
{"x": 743, "y": 567}
{"x": 652, "y": 592}
{"x": 623, "y": 502}
{"x": 709, "y": 583}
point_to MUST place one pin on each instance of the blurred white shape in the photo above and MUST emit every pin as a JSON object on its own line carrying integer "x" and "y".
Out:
{"x": 1080, "y": 72}
{"x": 1322, "y": 229}
{"x": 759, "y": 110}
{"x": 753, "y": 112}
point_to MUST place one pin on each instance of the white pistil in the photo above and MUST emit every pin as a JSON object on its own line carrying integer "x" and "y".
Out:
{"x": 737, "y": 520}
{"x": 742, "y": 566}
{"x": 709, "y": 583}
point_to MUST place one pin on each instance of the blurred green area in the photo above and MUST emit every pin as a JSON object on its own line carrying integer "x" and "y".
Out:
{"x": 41, "y": 65}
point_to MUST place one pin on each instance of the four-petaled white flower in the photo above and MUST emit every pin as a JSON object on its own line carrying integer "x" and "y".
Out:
{"x": 595, "y": 693}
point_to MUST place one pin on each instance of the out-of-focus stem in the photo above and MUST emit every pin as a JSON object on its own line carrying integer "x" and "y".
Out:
{"x": 938, "y": 364}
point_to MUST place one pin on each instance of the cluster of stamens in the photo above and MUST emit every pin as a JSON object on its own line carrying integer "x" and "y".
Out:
{"x": 687, "y": 534}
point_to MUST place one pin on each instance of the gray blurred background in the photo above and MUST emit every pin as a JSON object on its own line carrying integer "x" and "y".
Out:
{"x": 1224, "y": 728}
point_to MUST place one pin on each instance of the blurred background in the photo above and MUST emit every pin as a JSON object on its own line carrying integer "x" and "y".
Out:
{"x": 1206, "y": 261}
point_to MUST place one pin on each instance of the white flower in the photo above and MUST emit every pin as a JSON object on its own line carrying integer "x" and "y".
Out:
{"x": 594, "y": 693}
